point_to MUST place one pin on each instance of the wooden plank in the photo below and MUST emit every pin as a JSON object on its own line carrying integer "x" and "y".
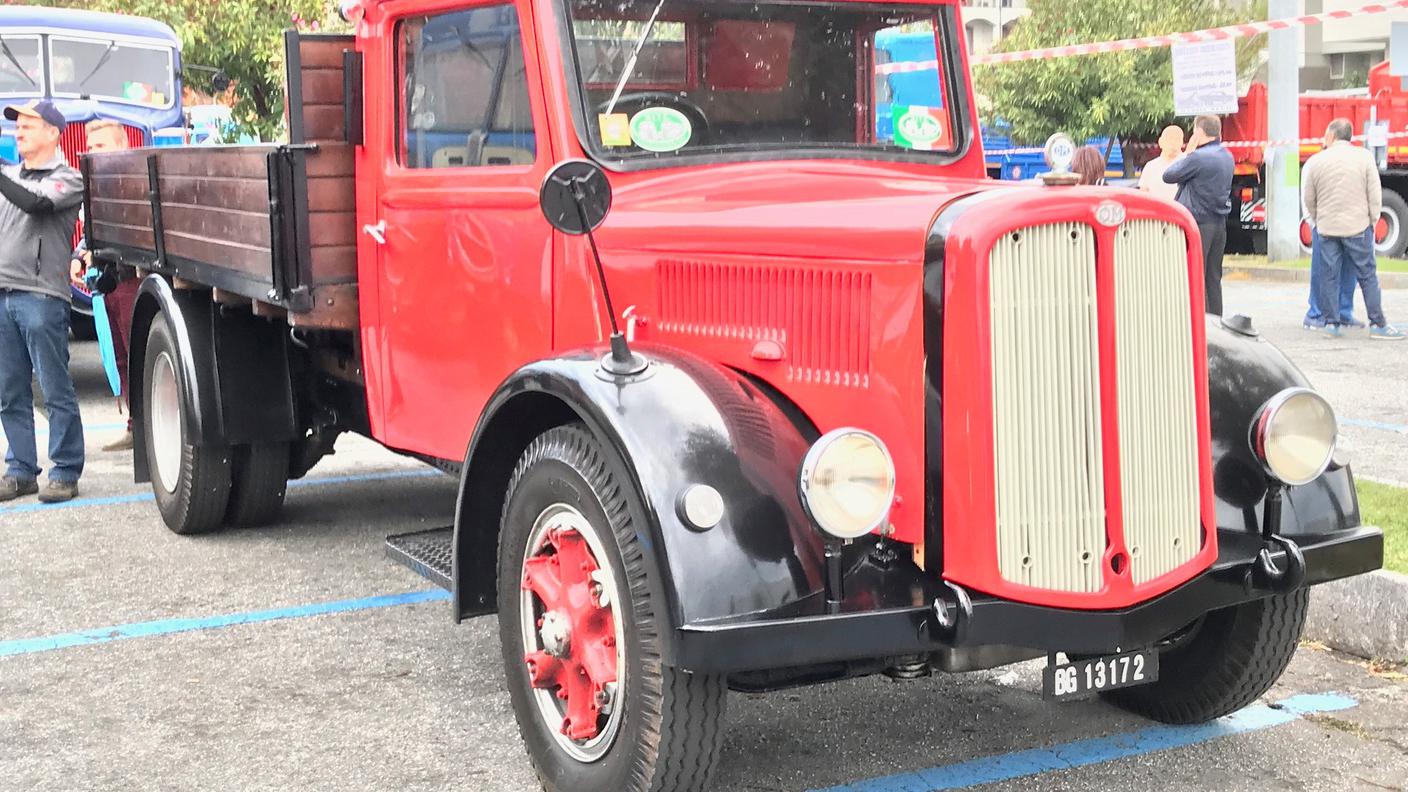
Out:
{"x": 322, "y": 54}
{"x": 245, "y": 161}
{"x": 332, "y": 194}
{"x": 124, "y": 213}
{"x": 269, "y": 311}
{"x": 332, "y": 229}
{"x": 238, "y": 194}
{"x": 216, "y": 224}
{"x": 187, "y": 285}
{"x": 130, "y": 186}
{"x": 322, "y": 86}
{"x": 133, "y": 161}
{"x": 252, "y": 261}
{"x": 333, "y": 264}
{"x": 108, "y": 234}
{"x": 334, "y": 308}
{"x": 229, "y": 298}
{"x": 323, "y": 123}
{"x": 332, "y": 159}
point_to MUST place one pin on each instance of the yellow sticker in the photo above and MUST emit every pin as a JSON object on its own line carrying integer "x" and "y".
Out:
{"x": 158, "y": 98}
{"x": 615, "y": 129}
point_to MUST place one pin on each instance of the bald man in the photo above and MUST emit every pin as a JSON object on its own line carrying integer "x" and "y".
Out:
{"x": 1170, "y": 149}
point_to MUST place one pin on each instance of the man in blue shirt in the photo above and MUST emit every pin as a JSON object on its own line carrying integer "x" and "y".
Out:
{"x": 1204, "y": 179}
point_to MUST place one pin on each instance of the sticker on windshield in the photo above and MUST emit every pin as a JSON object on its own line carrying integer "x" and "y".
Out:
{"x": 921, "y": 128}
{"x": 615, "y": 129}
{"x": 661, "y": 129}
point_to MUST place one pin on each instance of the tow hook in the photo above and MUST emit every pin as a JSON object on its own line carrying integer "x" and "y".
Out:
{"x": 1263, "y": 572}
{"x": 952, "y": 625}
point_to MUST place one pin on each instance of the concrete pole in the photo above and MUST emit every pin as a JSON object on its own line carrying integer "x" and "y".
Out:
{"x": 1283, "y": 207}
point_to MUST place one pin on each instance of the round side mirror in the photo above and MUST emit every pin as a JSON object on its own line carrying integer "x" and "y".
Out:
{"x": 220, "y": 82}
{"x": 575, "y": 197}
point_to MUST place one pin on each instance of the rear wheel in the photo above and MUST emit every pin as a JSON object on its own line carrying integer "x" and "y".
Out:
{"x": 1391, "y": 232}
{"x": 1222, "y": 662}
{"x": 258, "y": 483}
{"x": 580, "y": 631}
{"x": 191, "y": 483}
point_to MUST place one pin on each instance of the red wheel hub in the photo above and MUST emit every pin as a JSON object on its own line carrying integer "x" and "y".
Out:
{"x": 577, "y": 630}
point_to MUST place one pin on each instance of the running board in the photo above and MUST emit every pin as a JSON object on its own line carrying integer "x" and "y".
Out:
{"x": 427, "y": 553}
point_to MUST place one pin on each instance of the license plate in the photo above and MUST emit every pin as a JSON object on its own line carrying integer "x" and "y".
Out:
{"x": 1097, "y": 674}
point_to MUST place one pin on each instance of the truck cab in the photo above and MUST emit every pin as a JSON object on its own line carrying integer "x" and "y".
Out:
{"x": 745, "y": 389}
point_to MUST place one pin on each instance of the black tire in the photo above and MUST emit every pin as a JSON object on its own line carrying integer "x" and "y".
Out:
{"x": 1395, "y": 206}
{"x": 258, "y": 482}
{"x": 197, "y": 501}
{"x": 1225, "y": 663}
{"x": 671, "y": 728}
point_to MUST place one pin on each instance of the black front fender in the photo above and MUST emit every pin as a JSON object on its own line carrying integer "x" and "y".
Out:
{"x": 1243, "y": 373}
{"x": 683, "y": 422}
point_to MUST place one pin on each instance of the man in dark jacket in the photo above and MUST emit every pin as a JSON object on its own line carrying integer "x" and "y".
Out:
{"x": 1204, "y": 179}
{"x": 41, "y": 198}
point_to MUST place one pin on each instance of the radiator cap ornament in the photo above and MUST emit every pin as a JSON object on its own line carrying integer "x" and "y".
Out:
{"x": 1059, "y": 153}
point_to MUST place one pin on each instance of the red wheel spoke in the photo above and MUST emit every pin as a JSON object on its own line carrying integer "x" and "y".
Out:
{"x": 542, "y": 576}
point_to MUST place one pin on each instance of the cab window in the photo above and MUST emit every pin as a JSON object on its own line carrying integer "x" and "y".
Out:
{"x": 464, "y": 90}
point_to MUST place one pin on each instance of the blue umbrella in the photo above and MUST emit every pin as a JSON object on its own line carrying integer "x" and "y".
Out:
{"x": 105, "y": 348}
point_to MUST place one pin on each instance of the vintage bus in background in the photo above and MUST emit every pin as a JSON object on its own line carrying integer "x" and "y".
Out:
{"x": 90, "y": 64}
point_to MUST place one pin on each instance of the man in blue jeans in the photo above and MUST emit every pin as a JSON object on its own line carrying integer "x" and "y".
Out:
{"x": 39, "y": 202}
{"x": 1313, "y": 319}
{"x": 1343, "y": 199}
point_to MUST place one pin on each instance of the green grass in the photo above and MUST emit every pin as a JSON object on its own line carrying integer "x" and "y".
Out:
{"x": 1385, "y": 264}
{"x": 1387, "y": 507}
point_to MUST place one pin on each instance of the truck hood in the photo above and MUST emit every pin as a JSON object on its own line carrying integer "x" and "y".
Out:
{"x": 836, "y": 210}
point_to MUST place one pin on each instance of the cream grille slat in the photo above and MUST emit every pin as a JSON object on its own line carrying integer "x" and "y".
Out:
{"x": 1157, "y": 408}
{"x": 1048, "y": 462}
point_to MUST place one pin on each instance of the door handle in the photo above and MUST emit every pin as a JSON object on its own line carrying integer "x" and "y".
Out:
{"x": 377, "y": 232}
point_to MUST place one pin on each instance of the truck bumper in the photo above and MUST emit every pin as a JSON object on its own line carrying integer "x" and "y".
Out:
{"x": 889, "y": 612}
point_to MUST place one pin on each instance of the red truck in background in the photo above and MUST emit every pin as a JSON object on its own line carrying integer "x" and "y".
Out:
{"x": 1385, "y": 100}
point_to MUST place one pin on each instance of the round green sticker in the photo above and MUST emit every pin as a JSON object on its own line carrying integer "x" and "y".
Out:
{"x": 920, "y": 128}
{"x": 661, "y": 129}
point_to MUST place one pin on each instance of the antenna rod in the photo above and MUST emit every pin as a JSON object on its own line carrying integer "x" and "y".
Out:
{"x": 578, "y": 198}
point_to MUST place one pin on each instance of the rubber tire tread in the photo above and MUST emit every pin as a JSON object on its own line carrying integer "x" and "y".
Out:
{"x": 1393, "y": 202}
{"x": 681, "y": 731}
{"x": 1237, "y": 655}
{"x": 203, "y": 484}
{"x": 258, "y": 484}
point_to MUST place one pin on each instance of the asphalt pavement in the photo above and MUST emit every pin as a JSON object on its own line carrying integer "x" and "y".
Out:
{"x": 298, "y": 658}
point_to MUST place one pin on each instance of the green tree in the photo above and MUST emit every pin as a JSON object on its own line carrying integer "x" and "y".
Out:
{"x": 1119, "y": 94}
{"x": 242, "y": 38}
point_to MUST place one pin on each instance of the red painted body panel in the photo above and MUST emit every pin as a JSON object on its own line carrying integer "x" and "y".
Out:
{"x": 970, "y": 539}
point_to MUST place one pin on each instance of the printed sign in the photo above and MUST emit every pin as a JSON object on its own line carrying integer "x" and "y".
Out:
{"x": 1205, "y": 78}
{"x": 661, "y": 129}
{"x": 615, "y": 129}
{"x": 921, "y": 128}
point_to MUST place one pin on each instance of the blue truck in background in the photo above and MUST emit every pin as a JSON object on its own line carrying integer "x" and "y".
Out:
{"x": 90, "y": 64}
{"x": 921, "y": 88}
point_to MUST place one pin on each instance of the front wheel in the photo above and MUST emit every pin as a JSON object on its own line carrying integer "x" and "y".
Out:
{"x": 1222, "y": 662}
{"x": 597, "y": 709}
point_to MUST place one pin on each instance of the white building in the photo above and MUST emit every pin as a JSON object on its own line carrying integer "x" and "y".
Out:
{"x": 986, "y": 22}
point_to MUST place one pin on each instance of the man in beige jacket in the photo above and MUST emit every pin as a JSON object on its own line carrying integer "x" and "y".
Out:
{"x": 1343, "y": 199}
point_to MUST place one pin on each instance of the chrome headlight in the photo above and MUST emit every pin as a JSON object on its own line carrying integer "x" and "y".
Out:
{"x": 1293, "y": 435}
{"x": 848, "y": 483}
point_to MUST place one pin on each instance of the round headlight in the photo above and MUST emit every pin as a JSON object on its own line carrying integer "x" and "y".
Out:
{"x": 1294, "y": 435}
{"x": 848, "y": 483}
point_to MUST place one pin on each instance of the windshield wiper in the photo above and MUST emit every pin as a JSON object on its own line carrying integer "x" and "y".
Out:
{"x": 631, "y": 61}
{"x": 102, "y": 59}
{"x": 10, "y": 55}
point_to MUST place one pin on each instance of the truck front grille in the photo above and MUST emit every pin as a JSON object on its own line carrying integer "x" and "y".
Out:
{"x": 1158, "y": 427}
{"x": 1047, "y": 433}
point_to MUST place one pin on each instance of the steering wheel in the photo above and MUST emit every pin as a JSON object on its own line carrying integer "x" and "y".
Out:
{"x": 631, "y": 103}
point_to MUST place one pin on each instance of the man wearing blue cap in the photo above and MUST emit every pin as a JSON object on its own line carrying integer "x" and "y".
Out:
{"x": 41, "y": 198}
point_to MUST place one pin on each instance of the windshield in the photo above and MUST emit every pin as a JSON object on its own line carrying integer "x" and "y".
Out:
{"x": 19, "y": 66}
{"x": 139, "y": 74}
{"x": 665, "y": 78}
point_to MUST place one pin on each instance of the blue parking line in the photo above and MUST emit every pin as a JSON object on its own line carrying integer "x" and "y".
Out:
{"x": 25, "y": 508}
{"x": 1386, "y": 427}
{"x": 148, "y": 629}
{"x": 1082, "y": 753}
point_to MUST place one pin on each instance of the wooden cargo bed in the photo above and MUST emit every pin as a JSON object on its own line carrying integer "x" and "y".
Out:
{"x": 274, "y": 225}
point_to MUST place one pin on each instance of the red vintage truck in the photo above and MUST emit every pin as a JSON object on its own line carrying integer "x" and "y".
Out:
{"x": 1384, "y": 101}
{"x": 867, "y": 411}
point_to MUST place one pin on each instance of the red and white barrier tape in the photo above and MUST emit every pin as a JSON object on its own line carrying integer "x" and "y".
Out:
{"x": 1244, "y": 30}
{"x": 1251, "y": 144}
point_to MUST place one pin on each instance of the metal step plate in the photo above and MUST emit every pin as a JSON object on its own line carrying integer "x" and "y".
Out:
{"x": 427, "y": 553}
